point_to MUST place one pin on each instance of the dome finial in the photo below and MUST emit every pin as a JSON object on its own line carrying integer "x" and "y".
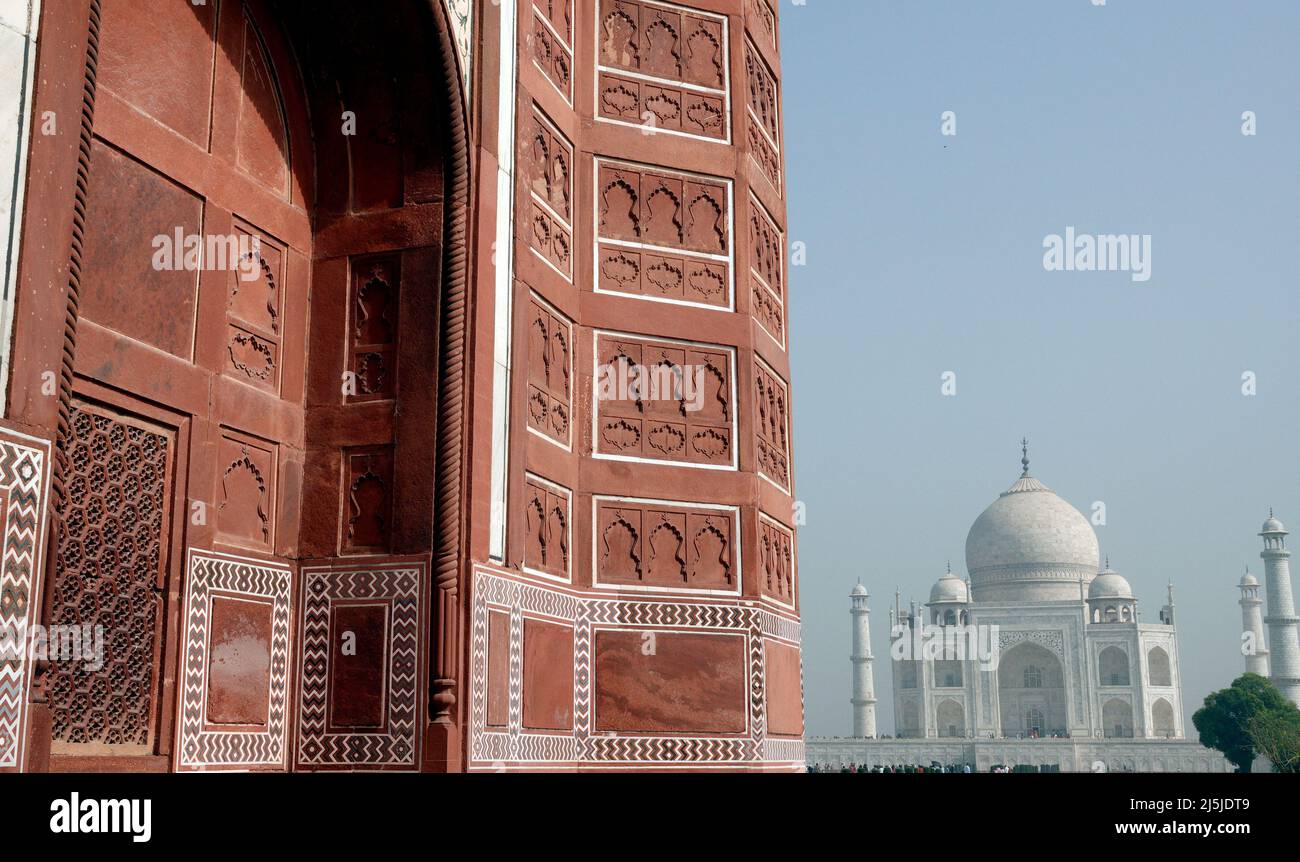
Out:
{"x": 1024, "y": 455}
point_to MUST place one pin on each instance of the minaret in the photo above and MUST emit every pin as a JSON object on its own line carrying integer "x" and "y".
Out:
{"x": 864, "y": 685}
{"x": 1283, "y": 644}
{"x": 1252, "y": 622}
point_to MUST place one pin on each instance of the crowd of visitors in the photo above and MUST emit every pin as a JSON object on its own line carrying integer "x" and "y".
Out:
{"x": 934, "y": 767}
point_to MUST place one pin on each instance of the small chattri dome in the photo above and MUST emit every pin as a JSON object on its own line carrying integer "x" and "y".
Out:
{"x": 1249, "y": 580}
{"x": 859, "y": 590}
{"x": 949, "y": 588}
{"x": 1110, "y": 585}
{"x": 1272, "y": 525}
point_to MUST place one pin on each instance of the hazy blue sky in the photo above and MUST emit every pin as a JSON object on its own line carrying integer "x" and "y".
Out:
{"x": 925, "y": 255}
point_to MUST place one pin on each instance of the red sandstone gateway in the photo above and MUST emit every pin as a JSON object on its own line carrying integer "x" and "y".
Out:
{"x": 302, "y": 411}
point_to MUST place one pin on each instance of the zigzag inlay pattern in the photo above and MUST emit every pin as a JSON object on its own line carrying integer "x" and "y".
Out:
{"x": 203, "y": 748}
{"x": 23, "y": 465}
{"x": 495, "y": 748}
{"x": 401, "y": 588}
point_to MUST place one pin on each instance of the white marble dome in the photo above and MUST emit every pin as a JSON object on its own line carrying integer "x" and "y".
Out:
{"x": 1272, "y": 525}
{"x": 1110, "y": 585}
{"x": 1029, "y": 545}
{"x": 949, "y": 588}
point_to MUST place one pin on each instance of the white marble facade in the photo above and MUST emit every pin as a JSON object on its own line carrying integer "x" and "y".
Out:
{"x": 18, "y": 20}
{"x": 1077, "y": 667}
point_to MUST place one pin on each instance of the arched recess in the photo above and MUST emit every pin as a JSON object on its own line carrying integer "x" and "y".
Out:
{"x": 1030, "y": 677}
{"x": 1159, "y": 671}
{"x": 1112, "y": 666}
{"x": 403, "y": 64}
{"x": 1162, "y": 719}
{"x": 228, "y": 121}
{"x": 950, "y": 718}
{"x": 1117, "y": 718}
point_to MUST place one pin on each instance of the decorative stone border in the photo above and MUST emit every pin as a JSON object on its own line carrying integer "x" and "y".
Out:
{"x": 199, "y": 748}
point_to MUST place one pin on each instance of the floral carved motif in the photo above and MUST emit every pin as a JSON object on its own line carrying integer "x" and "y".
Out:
{"x": 663, "y": 235}
{"x": 550, "y": 370}
{"x": 663, "y": 400}
{"x": 772, "y": 426}
{"x": 675, "y": 545}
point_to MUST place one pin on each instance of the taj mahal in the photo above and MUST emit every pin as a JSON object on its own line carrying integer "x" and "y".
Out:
{"x": 1063, "y": 670}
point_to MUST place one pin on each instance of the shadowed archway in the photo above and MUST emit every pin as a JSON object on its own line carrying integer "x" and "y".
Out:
{"x": 245, "y": 134}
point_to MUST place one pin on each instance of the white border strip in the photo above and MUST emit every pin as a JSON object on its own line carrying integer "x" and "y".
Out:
{"x": 18, "y": 80}
{"x": 503, "y": 252}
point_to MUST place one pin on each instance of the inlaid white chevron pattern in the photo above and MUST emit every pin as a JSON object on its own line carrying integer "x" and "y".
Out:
{"x": 494, "y": 748}
{"x": 401, "y": 587}
{"x": 23, "y": 483}
{"x": 669, "y": 749}
{"x": 199, "y": 747}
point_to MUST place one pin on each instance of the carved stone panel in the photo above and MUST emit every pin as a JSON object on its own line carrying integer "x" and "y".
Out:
{"x": 663, "y": 235}
{"x": 663, "y": 68}
{"x": 254, "y": 309}
{"x": 776, "y": 561}
{"x": 767, "y": 271}
{"x": 664, "y": 400}
{"x": 662, "y": 108}
{"x": 112, "y": 559}
{"x": 548, "y": 531}
{"x": 552, "y": 39}
{"x": 367, "y": 498}
{"x": 372, "y": 328}
{"x": 550, "y": 372}
{"x": 547, "y": 165}
{"x": 657, "y": 40}
{"x": 772, "y": 425}
{"x": 677, "y": 546}
{"x": 246, "y": 490}
{"x": 761, "y": 20}
{"x": 762, "y": 101}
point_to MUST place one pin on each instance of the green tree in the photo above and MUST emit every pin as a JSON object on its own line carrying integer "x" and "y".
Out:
{"x": 1224, "y": 721}
{"x": 1276, "y": 735}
